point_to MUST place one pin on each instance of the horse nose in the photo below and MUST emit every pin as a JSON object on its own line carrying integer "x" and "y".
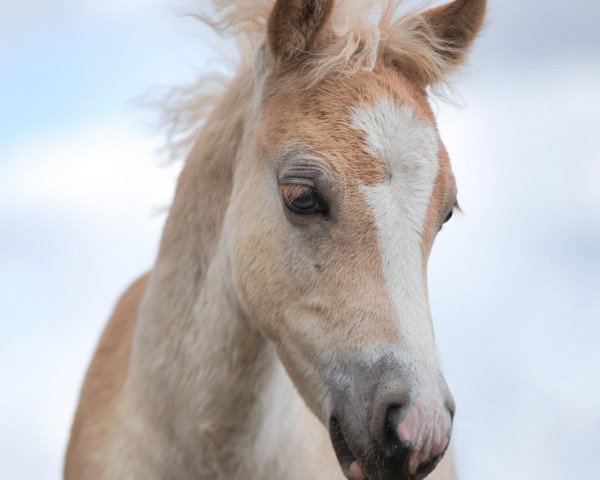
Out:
{"x": 414, "y": 436}
{"x": 391, "y": 421}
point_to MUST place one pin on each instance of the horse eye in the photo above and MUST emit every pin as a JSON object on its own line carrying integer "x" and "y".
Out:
{"x": 449, "y": 216}
{"x": 447, "y": 219}
{"x": 302, "y": 199}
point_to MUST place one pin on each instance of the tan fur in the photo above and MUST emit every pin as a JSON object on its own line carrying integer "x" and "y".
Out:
{"x": 217, "y": 366}
{"x": 320, "y": 115}
{"x": 443, "y": 200}
{"x": 308, "y": 115}
{"x": 361, "y": 33}
{"x": 103, "y": 386}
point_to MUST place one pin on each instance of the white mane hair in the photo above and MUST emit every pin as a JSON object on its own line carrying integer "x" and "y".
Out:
{"x": 361, "y": 33}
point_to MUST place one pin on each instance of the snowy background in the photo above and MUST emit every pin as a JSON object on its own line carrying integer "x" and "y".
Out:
{"x": 515, "y": 282}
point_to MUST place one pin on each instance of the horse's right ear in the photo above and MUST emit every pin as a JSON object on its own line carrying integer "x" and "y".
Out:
{"x": 296, "y": 25}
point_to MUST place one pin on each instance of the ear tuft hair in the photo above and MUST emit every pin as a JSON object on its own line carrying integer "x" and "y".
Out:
{"x": 457, "y": 23}
{"x": 295, "y": 25}
{"x": 444, "y": 35}
{"x": 331, "y": 36}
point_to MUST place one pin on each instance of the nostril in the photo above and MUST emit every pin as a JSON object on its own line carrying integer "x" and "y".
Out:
{"x": 389, "y": 408}
{"x": 396, "y": 415}
{"x": 396, "y": 445}
{"x": 391, "y": 446}
{"x": 398, "y": 450}
{"x": 384, "y": 421}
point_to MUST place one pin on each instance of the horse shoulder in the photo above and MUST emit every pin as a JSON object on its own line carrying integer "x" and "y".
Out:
{"x": 102, "y": 387}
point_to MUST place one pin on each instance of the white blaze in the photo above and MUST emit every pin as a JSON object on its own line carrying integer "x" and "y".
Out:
{"x": 410, "y": 149}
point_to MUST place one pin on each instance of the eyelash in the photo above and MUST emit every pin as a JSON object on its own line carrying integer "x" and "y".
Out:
{"x": 293, "y": 193}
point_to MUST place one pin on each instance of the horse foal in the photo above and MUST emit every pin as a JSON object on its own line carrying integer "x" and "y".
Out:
{"x": 284, "y": 331}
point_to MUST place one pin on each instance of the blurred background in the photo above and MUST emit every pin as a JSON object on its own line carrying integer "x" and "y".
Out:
{"x": 514, "y": 282}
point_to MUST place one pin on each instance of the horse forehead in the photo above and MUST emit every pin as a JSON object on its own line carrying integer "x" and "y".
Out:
{"x": 376, "y": 135}
{"x": 388, "y": 118}
{"x": 404, "y": 142}
{"x": 365, "y": 126}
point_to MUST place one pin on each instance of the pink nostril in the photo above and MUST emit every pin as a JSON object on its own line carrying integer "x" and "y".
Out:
{"x": 356, "y": 472}
{"x": 408, "y": 429}
{"x": 425, "y": 432}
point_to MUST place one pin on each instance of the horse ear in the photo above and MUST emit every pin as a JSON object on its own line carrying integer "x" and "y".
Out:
{"x": 295, "y": 25}
{"x": 452, "y": 29}
{"x": 456, "y": 24}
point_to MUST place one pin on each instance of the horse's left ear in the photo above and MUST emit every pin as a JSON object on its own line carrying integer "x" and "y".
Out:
{"x": 295, "y": 26}
{"x": 452, "y": 29}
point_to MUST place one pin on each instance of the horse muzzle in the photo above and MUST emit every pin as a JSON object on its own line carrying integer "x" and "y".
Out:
{"x": 390, "y": 421}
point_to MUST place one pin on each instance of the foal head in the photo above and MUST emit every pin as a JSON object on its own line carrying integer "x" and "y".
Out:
{"x": 341, "y": 187}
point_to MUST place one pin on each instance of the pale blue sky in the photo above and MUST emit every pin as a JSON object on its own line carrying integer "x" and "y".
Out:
{"x": 515, "y": 282}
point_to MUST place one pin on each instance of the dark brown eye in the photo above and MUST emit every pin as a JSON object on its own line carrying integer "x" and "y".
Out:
{"x": 302, "y": 199}
{"x": 447, "y": 219}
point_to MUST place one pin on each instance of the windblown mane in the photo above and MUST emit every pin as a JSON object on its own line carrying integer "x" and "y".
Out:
{"x": 362, "y": 31}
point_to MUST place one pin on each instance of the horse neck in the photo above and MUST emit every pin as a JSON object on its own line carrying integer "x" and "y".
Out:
{"x": 198, "y": 366}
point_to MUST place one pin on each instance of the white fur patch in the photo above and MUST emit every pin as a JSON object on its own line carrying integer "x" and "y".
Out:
{"x": 410, "y": 149}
